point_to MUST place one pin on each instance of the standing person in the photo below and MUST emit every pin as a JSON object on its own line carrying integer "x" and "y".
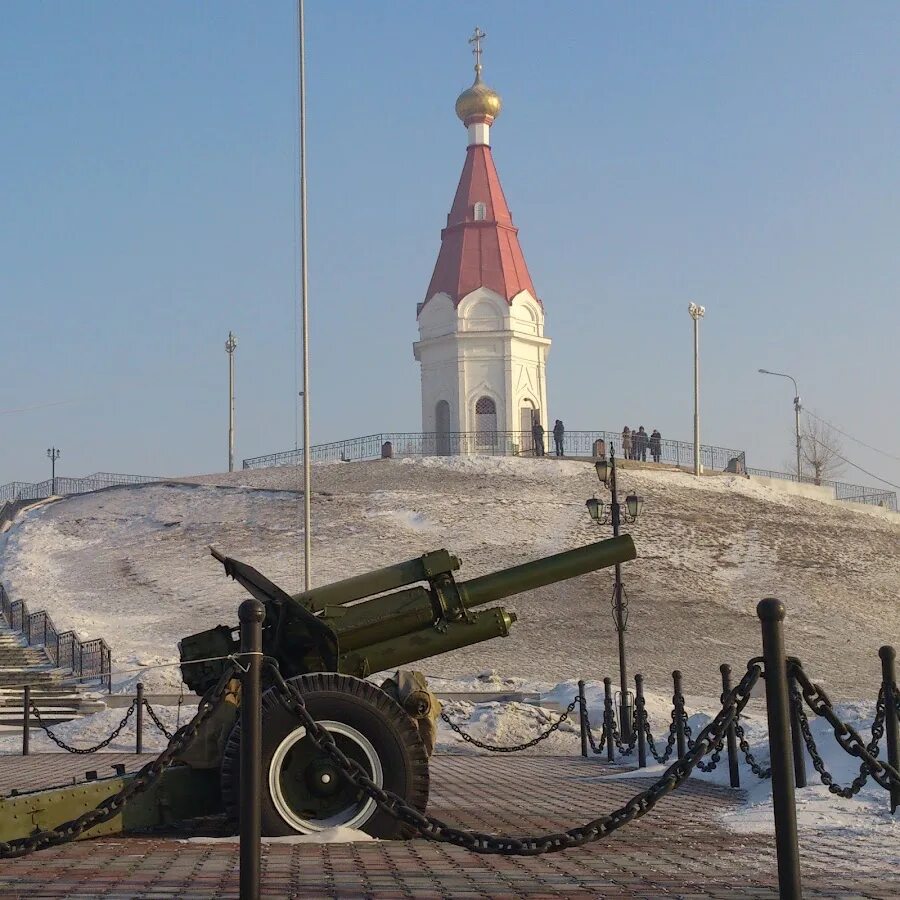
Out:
{"x": 559, "y": 432}
{"x": 656, "y": 445}
{"x": 626, "y": 442}
{"x": 537, "y": 437}
{"x": 640, "y": 442}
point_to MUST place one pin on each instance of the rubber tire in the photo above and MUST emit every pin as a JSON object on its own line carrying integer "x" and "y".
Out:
{"x": 357, "y": 703}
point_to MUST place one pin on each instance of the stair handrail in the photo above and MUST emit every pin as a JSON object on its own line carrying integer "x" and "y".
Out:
{"x": 90, "y": 658}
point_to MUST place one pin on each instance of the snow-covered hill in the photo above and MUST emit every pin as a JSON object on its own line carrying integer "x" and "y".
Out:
{"x": 132, "y": 565}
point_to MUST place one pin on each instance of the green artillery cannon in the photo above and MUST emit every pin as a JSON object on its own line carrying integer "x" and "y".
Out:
{"x": 326, "y": 641}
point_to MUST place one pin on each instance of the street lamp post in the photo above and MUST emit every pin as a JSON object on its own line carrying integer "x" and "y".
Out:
{"x": 53, "y": 454}
{"x": 697, "y": 313}
{"x": 606, "y": 472}
{"x": 230, "y": 347}
{"x": 797, "y": 409}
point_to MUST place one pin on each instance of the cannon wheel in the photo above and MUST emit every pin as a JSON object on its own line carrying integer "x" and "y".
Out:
{"x": 302, "y": 790}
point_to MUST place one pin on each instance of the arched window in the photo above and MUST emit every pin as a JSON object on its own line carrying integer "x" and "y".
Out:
{"x": 480, "y": 212}
{"x": 485, "y": 423}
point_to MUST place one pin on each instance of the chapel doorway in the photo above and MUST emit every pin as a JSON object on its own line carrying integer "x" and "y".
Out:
{"x": 528, "y": 415}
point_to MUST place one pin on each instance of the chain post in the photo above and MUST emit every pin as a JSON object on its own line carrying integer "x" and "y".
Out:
{"x": 678, "y": 703}
{"x": 771, "y": 614}
{"x": 26, "y": 719}
{"x": 733, "y": 771}
{"x": 139, "y": 720}
{"x": 641, "y": 720}
{"x": 582, "y": 719}
{"x": 892, "y": 729}
{"x": 251, "y": 614}
{"x": 796, "y": 734}
{"x": 609, "y": 720}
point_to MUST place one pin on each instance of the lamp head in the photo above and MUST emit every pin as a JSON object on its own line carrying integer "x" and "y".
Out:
{"x": 594, "y": 508}
{"x": 633, "y": 505}
{"x": 603, "y": 470}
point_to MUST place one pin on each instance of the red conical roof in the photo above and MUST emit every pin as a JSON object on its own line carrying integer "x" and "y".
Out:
{"x": 482, "y": 253}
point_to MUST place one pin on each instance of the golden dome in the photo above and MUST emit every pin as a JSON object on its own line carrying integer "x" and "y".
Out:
{"x": 478, "y": 100}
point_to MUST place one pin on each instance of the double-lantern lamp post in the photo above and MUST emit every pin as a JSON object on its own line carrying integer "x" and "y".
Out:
{"x": 613, "y": 513}
{"x": 53, "y": 456}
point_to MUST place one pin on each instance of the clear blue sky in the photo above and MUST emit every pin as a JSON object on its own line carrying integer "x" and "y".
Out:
{"x": 745, "y": 156}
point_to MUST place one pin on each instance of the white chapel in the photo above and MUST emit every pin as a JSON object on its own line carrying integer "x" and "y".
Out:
{"x": 481, "y": 344}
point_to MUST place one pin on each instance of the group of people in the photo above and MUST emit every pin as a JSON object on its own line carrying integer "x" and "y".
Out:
{"x": 636, "y": 443}
{"x": 537, "y": 437}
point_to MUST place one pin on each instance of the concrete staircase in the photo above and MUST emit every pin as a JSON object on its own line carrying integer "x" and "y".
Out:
{"x": 21, "y": 665}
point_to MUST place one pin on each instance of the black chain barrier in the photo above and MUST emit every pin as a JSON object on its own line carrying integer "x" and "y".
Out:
{"x": 162, "y": 728}
{"x": 481, "y": 842}
{"x": 83, "y": 750}
{"x": 663, "y": 757}
{"x": 595, "y": 747}
{"x": 623, "y": 748}
{"x": 755, "y": 767}
{"x": 110, "y": 807}
{"x": 717, "y": 752}
{"x": 818, "y": 763}
{"x": 494, "y": 748}
{"x": 848, "y": 737}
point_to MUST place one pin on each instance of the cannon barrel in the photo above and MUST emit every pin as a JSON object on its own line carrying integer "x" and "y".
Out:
{"x": 424, "y": 642}
{"x": 392, "y": 615}
{"x": 549, "y": 570}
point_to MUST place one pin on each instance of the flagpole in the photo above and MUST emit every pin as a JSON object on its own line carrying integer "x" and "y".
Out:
{"x": 304, "y": 309}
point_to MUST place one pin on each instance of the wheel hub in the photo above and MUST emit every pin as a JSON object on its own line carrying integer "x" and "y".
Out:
{"x": 309, "y": 791}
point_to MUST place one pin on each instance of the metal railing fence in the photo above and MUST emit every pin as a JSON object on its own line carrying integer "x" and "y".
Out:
{"x": 842, "y": 490}
{"x": 90, "y": 658}
{"x": 497, "y": 443}
{"x": 26, "y": 490}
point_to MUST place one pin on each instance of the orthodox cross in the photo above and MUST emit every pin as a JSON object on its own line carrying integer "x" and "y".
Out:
{"x": 476, "y": 40}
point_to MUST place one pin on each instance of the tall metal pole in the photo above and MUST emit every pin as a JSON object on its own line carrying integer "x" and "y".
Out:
{"x": 304, "y": 308}
{"x": 618, "y": 609}
{"x": 697, "y": 313}
{"x": 53, "y": 453}
{"x": 230, "y": 346}
{"x": 797, "y": 408}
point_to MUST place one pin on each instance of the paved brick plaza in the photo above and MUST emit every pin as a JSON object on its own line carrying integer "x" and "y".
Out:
{"x": 675, "y": 851}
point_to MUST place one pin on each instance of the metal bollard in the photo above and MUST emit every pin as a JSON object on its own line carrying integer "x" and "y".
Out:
{"x": 641, "y": 713}
{"x": 139, "y": 720}
{"x": 796, "y": 737}
{"x": 26, "y": 719}
{"x": 733, "y": 771}
{"x": 251, "y": 614}
{"x": 581, "y": 719}
{"x": 609, "y": 720}
{"x": 678, "y": 703}
{"x": 891, "y": 727}
{"x": 771, "y": 614}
